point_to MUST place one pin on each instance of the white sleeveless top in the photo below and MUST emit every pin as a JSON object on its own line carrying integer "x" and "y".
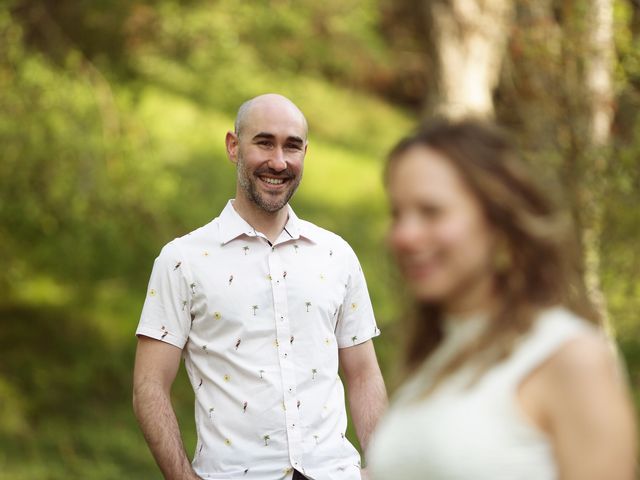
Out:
{"x": 476, "y": 433}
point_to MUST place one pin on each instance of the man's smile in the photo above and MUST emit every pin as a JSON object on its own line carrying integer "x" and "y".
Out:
{"x": 273, "y": 181}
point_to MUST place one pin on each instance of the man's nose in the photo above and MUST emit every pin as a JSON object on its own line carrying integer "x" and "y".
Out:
{"x": 277, "y": 161}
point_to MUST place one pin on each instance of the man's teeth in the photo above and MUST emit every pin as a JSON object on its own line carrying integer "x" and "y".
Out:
{"x": 273, "y": 181}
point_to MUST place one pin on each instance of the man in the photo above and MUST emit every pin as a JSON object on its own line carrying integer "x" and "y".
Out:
{"x": 263, "y": 307}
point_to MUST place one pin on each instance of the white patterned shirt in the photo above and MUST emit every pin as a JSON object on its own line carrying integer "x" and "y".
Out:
{"x": 260, "y": 326}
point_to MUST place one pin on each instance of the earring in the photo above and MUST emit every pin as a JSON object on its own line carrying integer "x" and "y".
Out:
{"x": 502, "y": 259}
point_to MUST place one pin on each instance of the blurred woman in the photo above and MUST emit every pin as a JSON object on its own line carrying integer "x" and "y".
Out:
{"x": 510, "y": 376}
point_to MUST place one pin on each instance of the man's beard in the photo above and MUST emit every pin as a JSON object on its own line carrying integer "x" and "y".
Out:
{"x": 248, "y": 182}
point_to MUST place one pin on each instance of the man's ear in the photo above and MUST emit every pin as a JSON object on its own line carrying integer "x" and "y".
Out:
{"x": 231, "y": 143}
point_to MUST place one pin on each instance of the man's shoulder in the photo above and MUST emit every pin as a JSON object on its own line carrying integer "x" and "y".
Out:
{"x": 195, "y": 239}
{"x": 324, "y": 237}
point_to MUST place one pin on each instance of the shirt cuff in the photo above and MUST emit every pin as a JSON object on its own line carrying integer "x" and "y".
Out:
{"x": 161, "y": 334}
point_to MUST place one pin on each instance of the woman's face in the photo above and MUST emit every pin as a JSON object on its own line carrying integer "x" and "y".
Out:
{"x": 440, "y": 237}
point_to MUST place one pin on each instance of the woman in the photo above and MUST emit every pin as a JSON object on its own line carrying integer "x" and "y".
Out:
{"x": 510, "y": 375}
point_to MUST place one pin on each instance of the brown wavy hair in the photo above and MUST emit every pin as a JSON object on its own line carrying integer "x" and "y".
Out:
{"x": 537, "y": 265}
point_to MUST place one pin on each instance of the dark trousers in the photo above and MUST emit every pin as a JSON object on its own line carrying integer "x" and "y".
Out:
{"x": 298, "y": 476}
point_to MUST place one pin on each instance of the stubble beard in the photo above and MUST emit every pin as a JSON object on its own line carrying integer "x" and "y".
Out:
{"x": 249, "y": 183}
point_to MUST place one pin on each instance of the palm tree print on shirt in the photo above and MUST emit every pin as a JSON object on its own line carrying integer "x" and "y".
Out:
{"x": 211, "y": 413}
{"x": 314, "y": 371}
{"x": 244, "y": 407}
{"x": 177, "y": 266}
{"x": 193, "y": 288}
{"x": 307, "y": 304}
{"x": 165, "y": 332}
{"x": 295, "y": 248}
{"x": 254, "y": 308}
{"x": 261, "y": 373}
{"x": 238, "y": 343}
{"x": 230, "y": 279}
{"x": 266, "y": 439}
{"x": 246, "y": 249}
{"x": 354, "y": 339}
{"x": 316, "y": 438}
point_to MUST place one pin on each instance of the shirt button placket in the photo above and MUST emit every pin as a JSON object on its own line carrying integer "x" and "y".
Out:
{"x": 287, "y": 366}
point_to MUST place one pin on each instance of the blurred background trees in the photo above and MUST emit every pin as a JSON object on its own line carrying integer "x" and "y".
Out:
{"x": 113, "y": 114}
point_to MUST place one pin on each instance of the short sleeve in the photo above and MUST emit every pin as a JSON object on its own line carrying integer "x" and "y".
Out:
{"x": 356, "y": 322}
{"x": 166, "y": 314}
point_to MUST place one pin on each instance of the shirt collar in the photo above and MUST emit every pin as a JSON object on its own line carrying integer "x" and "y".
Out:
{"x": 232, "y": 225}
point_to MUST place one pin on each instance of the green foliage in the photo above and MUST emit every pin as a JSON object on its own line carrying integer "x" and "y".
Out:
{"x": 114, "y": 115}
{"x": 109, "y": 155}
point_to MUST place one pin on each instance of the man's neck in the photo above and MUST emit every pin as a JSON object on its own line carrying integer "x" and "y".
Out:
{"x": 270, "y": 224}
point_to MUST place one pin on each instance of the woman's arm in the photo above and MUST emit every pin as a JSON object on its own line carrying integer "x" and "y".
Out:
{"x": 585, "y": 407}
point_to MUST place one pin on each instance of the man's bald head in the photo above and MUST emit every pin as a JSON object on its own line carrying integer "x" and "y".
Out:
{"x": 264, "y": 102}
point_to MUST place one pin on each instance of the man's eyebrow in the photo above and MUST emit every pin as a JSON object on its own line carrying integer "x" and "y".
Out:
{"x": 271, "y": 136}
{"x": 267, "y": 135}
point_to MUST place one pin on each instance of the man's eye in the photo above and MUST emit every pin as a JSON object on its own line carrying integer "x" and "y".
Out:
{"x": 293, "y": 146}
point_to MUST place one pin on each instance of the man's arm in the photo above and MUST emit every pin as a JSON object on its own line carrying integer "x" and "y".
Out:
{"x": 365, "y": 386}
{"x": 156, "y": 367}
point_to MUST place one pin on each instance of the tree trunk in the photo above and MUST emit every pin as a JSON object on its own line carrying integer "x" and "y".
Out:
{"x": 599, "y": 86}
{"x": 469, "y": 40}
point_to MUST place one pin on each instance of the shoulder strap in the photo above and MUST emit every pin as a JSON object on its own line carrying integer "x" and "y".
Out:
{"x": 550, "y": 332}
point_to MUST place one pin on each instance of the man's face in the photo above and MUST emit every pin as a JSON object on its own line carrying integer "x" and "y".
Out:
{"x": 269, "y": 155}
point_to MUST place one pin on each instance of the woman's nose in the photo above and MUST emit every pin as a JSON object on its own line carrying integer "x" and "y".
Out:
{"x": 406, "y": 234}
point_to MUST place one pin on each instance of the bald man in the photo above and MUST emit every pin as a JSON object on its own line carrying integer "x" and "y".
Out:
{"x": 265, "y": 308}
